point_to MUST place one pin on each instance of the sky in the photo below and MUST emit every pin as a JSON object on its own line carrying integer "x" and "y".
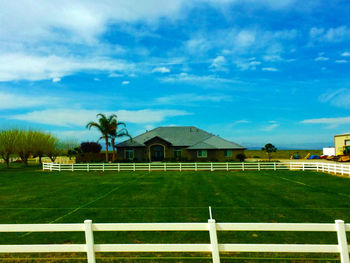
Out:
{"x": 251, "y": 71}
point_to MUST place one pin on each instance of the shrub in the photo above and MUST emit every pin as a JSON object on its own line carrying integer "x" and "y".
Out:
{"x": 90, "y": 147}
{"x": 241, "y": 157}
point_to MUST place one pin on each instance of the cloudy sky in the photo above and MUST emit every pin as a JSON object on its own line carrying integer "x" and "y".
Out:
{"x": 252, "y": 71}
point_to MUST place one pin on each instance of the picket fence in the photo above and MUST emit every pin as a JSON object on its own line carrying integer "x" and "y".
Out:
{"x": 342, "y": 248}
{"x": 336, "y": 168}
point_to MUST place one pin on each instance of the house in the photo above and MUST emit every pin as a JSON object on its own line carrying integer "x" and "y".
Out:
{"x": 178, "y": 143}
{"x": 342, "y": 143}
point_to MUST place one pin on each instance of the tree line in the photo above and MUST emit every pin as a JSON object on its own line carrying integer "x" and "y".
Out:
{"x": 26, "y": 144}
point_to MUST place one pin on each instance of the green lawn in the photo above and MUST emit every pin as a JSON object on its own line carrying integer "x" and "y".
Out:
{"x": 29, "y": 195}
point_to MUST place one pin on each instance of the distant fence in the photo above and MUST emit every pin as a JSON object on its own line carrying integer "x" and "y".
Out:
{"x": 212, "y": 227}
{"x": 336, "y": 168}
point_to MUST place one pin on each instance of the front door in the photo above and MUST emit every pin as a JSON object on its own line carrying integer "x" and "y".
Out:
{"x": 157, "y": 153}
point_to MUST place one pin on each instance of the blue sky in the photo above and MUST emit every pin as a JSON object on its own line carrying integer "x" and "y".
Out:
{"x": 252, "y": 71}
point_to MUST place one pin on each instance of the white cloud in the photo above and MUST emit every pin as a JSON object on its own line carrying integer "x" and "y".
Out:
{"x": 271, "y": 126}
{"x": 80, "y": 117}
{"x": 161, "y": 70}
{"x": 218, "y": 64}
{"x": 247, "y": 65}
{"x": 191, "y": 98}
{"x": 199, "y": 79}
{"x": 30, "y": 67}
{"x": 330, "y": 122}
{"x": 345, "y": 54}
{"x": 241, "y": 122}
{"x": 83, "y": 19}
{"x": 245, "y": 38}
{"x": 115, "y": 75}
{"x": 125, "y": 82}
{"x": 337, "y": 34}
{"x": 341, "y": 61}
{"x": 11, "y": 100}
{"x": 321, "y": 58}
{"x": 339, "y": 98}
{"x": 269, "y": 69}
{"x": 56, "y": 80}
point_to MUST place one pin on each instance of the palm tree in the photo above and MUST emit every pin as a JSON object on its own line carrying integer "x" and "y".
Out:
{"x": 115, "y": 133}
{"x": 104, "y": 125}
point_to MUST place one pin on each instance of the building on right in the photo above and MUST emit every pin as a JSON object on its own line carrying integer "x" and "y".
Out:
{"x": 342, "y": 143}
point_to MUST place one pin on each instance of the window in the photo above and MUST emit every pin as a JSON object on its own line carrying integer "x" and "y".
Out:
{"x": 177, "y": 152}
{"x": 347, "y": 142}
{"x": 202, "y": 153}
{"x": 129, "y": 154}
{"x": 228, "y": 153}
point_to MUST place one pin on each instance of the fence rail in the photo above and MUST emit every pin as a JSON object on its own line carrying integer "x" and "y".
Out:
{"x": 336, "y": 168}
{"x": 214, "y": 247}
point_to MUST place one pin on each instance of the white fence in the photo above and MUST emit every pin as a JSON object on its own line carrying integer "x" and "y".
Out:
{"x": 212, "y": 227}
{"x": 336, "y": 168}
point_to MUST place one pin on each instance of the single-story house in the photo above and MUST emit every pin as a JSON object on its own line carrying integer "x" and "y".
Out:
{"x": 178, "y": 143}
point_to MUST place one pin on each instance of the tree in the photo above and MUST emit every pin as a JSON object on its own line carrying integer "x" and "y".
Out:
{"x": 42, "y": 144}
{"x": 8, "y": 142}
{"x": 52, "y": 148}
{"x": 25, "y": 145}
{"x": 269, "y": 148}
{"x": 115, "y": 133}
{"x": 90, "y": 147}
{"x": 104, "y": 125}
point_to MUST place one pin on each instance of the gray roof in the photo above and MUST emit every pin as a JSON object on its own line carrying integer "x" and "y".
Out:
{"x": 188, "y": 136}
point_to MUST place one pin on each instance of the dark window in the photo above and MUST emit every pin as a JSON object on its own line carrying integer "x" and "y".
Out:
{"x": 228, "y": 153}
{"x": 177, "y": 152}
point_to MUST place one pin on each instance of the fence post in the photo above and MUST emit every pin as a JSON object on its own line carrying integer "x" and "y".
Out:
{"x": 242, "y": 166}
{"x": 342, "y": 169}
{"x": 180, "y": 167}
{"x": 59, "y": 167}
{"x": 50, "y": 167}
{"x": 149, "y": 167}
{"x": 342, "y": 242}
{"x": 214, "y": 241}
{"x": 89, "y": 237}
{"x": 274, "y": 166}
{"x": 72, "y": 167}
{"x": 259, "y": 166}
{"x": 165, "y": 167}
{"x": 211, "y": 167}
{"x": 317, "y": 167}
{"x": 134, "y": 167}
{"x": 195, "y": 167}
{"x": 103, "y": 167}
{"x": 227, "y": 166}
{"x": 303, "y": 166}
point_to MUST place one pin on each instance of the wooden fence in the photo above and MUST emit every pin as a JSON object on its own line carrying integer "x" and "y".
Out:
{"x": 336, "y": 168}
{"x": 214, "y": 247}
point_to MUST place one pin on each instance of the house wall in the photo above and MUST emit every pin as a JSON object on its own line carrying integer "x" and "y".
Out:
{"x": 215, "y": 155}
{"x": 339, "y": 143}
{"x": 141, "y": 154}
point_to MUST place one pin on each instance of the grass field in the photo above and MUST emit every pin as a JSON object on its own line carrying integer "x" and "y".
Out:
{"x": 280, "y": 154}
{"x": 29, "y": 195}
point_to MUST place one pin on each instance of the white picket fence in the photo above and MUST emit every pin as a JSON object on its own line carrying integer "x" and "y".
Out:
{"x": 336, "y": 168}
{"x": 214, "y": 247}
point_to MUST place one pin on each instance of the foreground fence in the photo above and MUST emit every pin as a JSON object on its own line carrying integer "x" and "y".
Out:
{"x": 336, "y": 168}
{"x": 211, "y": 227}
